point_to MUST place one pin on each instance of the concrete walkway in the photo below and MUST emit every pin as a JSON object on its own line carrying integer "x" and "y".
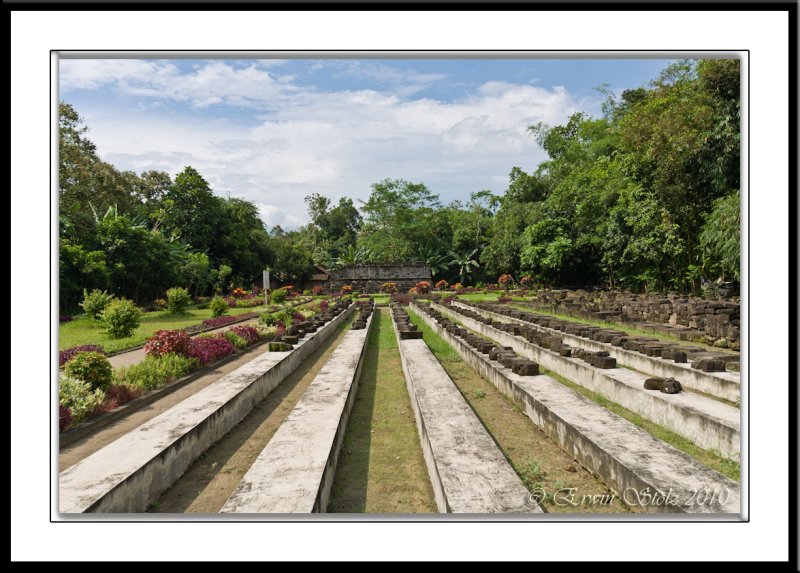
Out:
{"x": 468, "y": 471}
{"x": 294, "y": 472}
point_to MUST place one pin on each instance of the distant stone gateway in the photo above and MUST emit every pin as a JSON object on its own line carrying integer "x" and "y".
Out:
{"x": 369, "y": 278}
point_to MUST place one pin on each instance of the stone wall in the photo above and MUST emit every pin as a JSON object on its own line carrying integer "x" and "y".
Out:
{"x": 369, "y": 278}
{"x": 717, "y": 321}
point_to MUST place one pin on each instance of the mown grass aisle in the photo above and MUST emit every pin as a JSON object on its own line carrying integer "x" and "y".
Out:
{"x": 381, "y": 468}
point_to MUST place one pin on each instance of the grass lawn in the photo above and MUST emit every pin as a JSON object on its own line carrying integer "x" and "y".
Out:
{"x": 381, "y": 468}
{"x": 84, "y": 331}
{"x": 537, "y": 459}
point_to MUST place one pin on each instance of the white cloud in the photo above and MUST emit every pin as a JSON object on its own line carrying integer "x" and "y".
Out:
{"x": 302, "y": 140}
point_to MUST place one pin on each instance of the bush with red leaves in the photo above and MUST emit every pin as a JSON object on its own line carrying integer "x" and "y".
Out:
{"x": 166, "y": 341}
{"x": 65, "y": 355}
{"x": 210, "y": 349}
{"x": 249, "y": 333}
{"x": 64, "y": 418}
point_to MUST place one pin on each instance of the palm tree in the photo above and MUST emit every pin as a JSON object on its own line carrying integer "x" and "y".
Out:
{"x": 352, "y": 256}
{"x": 465, "y": 264}
{"x": 439, "y": 262}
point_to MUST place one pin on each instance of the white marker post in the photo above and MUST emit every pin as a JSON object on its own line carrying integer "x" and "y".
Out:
{"x": 266, "y": 286}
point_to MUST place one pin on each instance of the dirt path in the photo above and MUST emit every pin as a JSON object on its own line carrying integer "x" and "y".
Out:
{"x": 381, "y": 468}
{"x": 210, "y": 481}
{"x": 72, "y": 454}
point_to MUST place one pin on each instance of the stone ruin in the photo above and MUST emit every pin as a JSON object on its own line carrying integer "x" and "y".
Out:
{"x": 713, "y": 321}
{"x": 369, "y": 278}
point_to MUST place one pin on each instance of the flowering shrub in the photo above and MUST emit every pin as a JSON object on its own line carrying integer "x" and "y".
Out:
{"x": 413, "y": 290}
{"x": 64, "y": 418}
{"x": 178, "y": 300}
{"x": 317, "y": 290}
{"x": 153, "y": 372}
{"x": 65, "y": 355}
{"x": 323, "y": 305}
{"x": 166, "y": 341}
{"x": 526, "y": 281}
{"x": 249, "y": 333}
{"x": 120, "y": 317}
{"x": 389, "y": 288}
{"x": 441, "y": 285}
{"x": 423, "y": 287}
{"x": 94, "y": 302}
{"x": 79, "y": 396}
{"x": 160, "y": 304}
{"x": 219, "y": 321}
{"x": 210, "y": 349}
{"x": 278, "y": 295}
{"x": 91, "y": 367}
{"x": 505, "y": 280}
{"x": 457, "y": 286}
{"x": 64, "y": 318}
{"x": 238, "y": 292}
{"x": 289, "y": 288}
{"x": 347, "y": 289}
{"x": 219, "y": 306}
{"x": 235, "y": 339}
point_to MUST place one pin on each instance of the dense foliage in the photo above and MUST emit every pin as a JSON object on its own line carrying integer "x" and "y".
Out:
{"x": 644, "y": 197}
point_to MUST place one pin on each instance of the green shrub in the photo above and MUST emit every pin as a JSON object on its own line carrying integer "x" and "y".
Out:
{"x": 178, "y": 300}
{"x": 153, "y": 372}
{"x": 91, "y": 367}
{"x": 121, "y": 317}
{"x": 218, "y": 306}
{"x": 267, "y": 319}
{"x": 94, "y": 302}
{"x": 278, "y": 296}
{"x": 308, "y": 313}
{"x": 307, "y": 292}
{"x": 237, "y": 341}
{"x": 78, "y": 396}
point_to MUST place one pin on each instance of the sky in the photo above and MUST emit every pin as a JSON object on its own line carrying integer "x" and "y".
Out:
{"x": 275, "y": 131}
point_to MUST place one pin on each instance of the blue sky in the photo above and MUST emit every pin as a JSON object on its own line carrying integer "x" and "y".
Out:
{"x": 274, "y": 131}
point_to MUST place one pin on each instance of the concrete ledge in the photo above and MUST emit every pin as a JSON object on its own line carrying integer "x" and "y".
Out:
{"x": 129, "y": 473}
{"x": 706, "y": 422}
{"x": 625, "y": 457}
{"x": 724, "y": 385}
{"x": 294, "y": 472}
{"x": 468, "y": 471}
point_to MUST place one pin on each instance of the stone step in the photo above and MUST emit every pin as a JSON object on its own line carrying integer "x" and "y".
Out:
{"x": 468, "y": 471}
{"x": 295, "y": 471}
{"x": 708, "y": 423}
{"x": 129, "y": 473}
{"x": 627, "y": 459}
{"x": 725, "y": 385}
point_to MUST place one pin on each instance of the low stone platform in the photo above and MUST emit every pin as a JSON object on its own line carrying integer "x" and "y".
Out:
{"x": 294, "y": 472}
{"x": 642, "y": 470}
{"x": 468, "y": 471}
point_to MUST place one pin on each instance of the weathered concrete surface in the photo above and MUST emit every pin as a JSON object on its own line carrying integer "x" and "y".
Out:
{"x": 724, "y": 385}
{"x": 294, "y": 472}
{"x": 706, "y": 422}
{"x": 129, "y": 473}
{"x": 468, "y": 471}
{"x": 623, "y": 456}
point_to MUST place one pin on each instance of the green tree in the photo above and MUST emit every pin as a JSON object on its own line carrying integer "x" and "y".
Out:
{"x": 721, "y": 236}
